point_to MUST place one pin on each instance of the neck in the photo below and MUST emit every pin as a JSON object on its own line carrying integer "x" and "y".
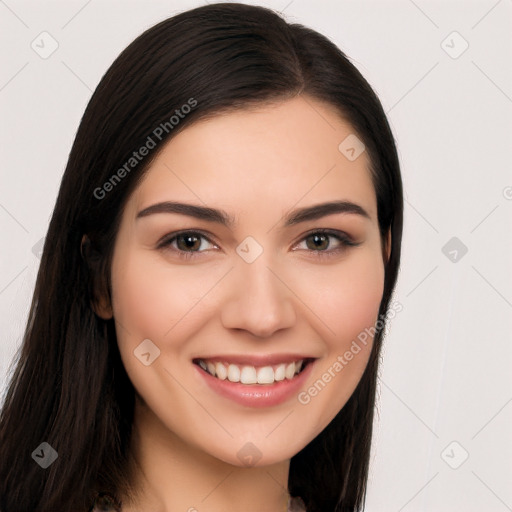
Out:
{"x": 174, "y": 475}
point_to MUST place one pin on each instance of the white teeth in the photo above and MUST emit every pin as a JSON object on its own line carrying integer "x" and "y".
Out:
{"x": 290, "y": 371}
{"x": 233, "y": 373}
{"x": 265, "y": 375}
{"x": 248, "y": 375}
{"x": 251, "y": 375}
{"x": 220, "y": 371}
{"x": 211, "y": 367}
{"x": 279, "y": 372}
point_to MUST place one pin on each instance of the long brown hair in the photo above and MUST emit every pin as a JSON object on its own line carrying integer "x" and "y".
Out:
{"x": 69, "y": 387}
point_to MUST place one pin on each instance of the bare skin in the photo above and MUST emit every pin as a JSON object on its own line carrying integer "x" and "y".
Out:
{"x": 257, "y": 166}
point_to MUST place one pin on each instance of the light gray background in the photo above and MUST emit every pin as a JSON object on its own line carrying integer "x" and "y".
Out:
{"x": 447, "y": 358}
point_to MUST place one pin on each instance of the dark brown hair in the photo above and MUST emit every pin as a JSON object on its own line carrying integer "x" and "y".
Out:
{"x": 69, "y": 387}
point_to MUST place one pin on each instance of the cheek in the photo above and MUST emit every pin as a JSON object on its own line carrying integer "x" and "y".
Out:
{"x": 152, "y": 301}
{"x": 137, "y": 303}
{"x": 149, "y": 298}
{"x": 356, "y": 306}
{"x": 348, "y": 303}
{"x": 355, "y": 309}
{"x": 347, "y": 297}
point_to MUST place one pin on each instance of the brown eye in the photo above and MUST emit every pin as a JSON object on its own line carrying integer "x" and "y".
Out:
{"x": 319, "y": 241}
{"x": 188, "y": 242}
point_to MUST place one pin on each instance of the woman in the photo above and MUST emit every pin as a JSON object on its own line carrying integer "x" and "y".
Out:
{"x": 208, "y": 315}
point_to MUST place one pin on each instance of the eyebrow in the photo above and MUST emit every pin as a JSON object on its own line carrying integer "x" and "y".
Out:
{"x": 222, "y": 217}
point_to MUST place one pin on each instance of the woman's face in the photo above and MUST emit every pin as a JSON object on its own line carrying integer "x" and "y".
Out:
{"x": 259, "y": 293}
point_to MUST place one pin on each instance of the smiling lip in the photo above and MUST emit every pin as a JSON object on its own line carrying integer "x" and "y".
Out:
{"x": 258, "y": 395}
{"x": 256, "y": 359}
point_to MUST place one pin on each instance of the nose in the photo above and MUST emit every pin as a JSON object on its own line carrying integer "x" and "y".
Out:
{"x": 259, "y": 301}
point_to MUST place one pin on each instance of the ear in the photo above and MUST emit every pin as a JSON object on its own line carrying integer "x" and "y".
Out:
{"x": 100, "y": 300}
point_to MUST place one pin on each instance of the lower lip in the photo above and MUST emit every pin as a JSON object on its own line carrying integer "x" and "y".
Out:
{"x": 257, "y": 395}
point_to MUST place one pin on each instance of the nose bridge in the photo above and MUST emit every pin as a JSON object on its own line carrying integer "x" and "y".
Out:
{"x": 260, "y": 303}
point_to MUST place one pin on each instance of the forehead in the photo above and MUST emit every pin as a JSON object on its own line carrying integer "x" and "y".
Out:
{"x": 265, "y": 159}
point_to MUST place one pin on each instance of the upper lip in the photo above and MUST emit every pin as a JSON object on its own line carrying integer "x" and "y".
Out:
{"x": 255, "y": 359}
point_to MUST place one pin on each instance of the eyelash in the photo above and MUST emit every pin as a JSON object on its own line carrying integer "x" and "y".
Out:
{"x": 344, "y": 240}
